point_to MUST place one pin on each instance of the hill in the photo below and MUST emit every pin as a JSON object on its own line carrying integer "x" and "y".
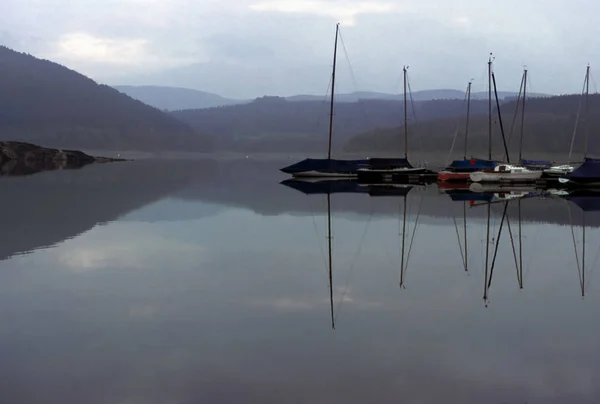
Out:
{"x": 46, "y": 103}
{"x": 175, "y": 98}
{"x": 549, "y": 126}
{"x": 178, "y": 98}
{"x": 274, "y": 124}
{"x": 422, "y": 95}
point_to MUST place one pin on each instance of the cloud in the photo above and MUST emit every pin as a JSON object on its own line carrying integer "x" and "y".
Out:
{"x": 93, "y": 55}
{"x": 279, "y": 47}
{"x": 344, "y": 11}
{"x": 130, "y": 246}
{"x": 79, "y": 45}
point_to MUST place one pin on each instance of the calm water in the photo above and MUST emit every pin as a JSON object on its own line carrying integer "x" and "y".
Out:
{"x": 189, "y": 282}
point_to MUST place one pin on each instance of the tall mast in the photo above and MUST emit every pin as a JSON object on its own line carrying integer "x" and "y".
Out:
{"x": 490, "y": 108}
{"x": 523, "y": 114}
{"x": 337, "y": 28}
{"x": 405, "y": 117}
{"x": 330, "y": 260}
{"x": 500, "y": 120}
{"x": 487, "y": 253}
{"x": 587, "y": 92}
{"x": 403, "y": 245}
{"x": 520, "y": 248}
{"x": 465, "y": 238}
{"x": 583, "y": 260}
{"x": 468, "y": 114}
{"x": 496, "y": 247}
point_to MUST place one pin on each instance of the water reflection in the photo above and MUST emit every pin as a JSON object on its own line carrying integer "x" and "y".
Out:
{"x": 208, "y": 281}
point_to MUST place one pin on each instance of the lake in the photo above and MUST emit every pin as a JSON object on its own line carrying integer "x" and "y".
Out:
{"x": 208, "y": 281}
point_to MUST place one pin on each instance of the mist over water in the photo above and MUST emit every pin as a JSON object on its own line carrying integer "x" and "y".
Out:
{"x": 208, "y": 281}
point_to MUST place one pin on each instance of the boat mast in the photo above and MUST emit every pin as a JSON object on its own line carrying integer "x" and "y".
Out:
{"x": 583, "y": 260}
{"x": 523, "y": 114}
{"x": 403, "y": 245}
{"x": 468, "y": 114}
{"x": 500, "y": 120}
{"x": 520, "y": 248}
{"x": 337, "y": 28}
{"x": 405, "y": 116}
{"x": 330, "y": 260}
{"x": 487, "y": 254}
{"x": 490, "y": 108}
{"x": 465, "y": 238}
{"x": 587, "y": 92}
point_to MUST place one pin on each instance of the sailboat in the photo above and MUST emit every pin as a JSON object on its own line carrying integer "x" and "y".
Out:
{"x": 330, "y": 259}
{"x": 588, "y": 173}
{"x": 328, "y": 167}
{"x": 587, "y": 202}
{"x": 489, "y": 270}
{"x": 504, "y": 172}
{"x": 392, "y": 168}
{"x": 563, "y": 170}
{"x": 459, "y": 170}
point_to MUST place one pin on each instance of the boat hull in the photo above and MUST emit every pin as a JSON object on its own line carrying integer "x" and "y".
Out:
{"x": 413, "y": 174}
{"x": 396, "y": 171}
{"x": 321, "y": 174}
{"x": 483, "y": 176}
{"x": 453, "y": 176}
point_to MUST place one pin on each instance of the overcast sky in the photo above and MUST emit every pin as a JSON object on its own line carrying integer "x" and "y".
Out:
{"x": 248, "y": 48}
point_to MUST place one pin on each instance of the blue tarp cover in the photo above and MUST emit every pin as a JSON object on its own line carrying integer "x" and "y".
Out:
{"x": 586, "y": 203}
{"x": 324, "y": 187}
{"x": 589, "y": 169}
{"x": 536, "y": 163}
{"x": 466, "y": 195}
{"x": 325, "y": 165}
{"x": 471, "y": 165}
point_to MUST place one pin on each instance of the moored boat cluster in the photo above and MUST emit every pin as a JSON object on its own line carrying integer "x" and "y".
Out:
{"x": 464, "y": 171}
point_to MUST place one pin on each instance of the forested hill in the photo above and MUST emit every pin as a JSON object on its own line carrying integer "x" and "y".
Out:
{"x": 275, "y": 124}
{"x": 48, "y": 104}
{"x": 549, "y": 126}
{"x": 174, "y": 98}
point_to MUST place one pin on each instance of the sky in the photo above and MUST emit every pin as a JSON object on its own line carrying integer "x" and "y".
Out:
{"x": 251, "y": 48}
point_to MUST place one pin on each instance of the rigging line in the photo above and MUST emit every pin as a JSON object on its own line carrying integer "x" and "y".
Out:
{"x": 574, "y": 242}
{"x": 497, "y": 245}
{"x": 414, "y": 113}
{"x": 519, "y": 101}
{"x": 354, "y": 82}
{"x": 412, "y": 238}
{"x": 576, "y": 121}
{"x": 323, "y": 103}
{"x": 458, "y": 119}
{"x": 318, "y": 236}
{"x": 512, "y": 243}
{"x": 350, "y": 271}
{"x": 462, "y": 255}
{"x": 348, "y": 60}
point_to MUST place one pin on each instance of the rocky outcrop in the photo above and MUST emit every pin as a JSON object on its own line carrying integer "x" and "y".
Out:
{"x": 20, "y": 158}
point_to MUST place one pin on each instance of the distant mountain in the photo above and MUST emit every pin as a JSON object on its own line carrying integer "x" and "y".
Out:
{"x": 175, "y": 98}
{"x": 549, "y": 126}
{"x": 48, "y": 104}
{"x": 178, "y": 98}
{"x": 274, "y": 124}
{"x": 422, "y": 95}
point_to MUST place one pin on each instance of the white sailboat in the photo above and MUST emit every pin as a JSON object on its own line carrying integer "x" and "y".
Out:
{"x": 504, "y": 172}
{"x": 562, "y": 170}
